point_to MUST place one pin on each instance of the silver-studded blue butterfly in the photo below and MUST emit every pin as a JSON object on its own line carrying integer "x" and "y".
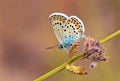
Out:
{"x": 67, "y": 29}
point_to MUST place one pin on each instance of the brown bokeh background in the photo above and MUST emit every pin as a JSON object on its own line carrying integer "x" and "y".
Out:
{"x": 25, "y": 33}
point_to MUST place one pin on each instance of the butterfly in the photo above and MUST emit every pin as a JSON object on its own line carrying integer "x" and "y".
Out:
{"x": 68, "y": 30}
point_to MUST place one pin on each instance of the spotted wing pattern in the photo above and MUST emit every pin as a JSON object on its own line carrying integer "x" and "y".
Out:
{"x": 67, "y": 29}
{"x": 74, "y": 28}
{"x": 58, "y": 21}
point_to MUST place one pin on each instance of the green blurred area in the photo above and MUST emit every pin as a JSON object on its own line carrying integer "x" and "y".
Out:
{"x": 25, "y": 33}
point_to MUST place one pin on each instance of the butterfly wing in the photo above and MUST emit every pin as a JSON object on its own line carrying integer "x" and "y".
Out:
{"x": 67, "y": 29}
{"x": 76, "y": 27}
{"x": 73, "y": 30}
{"x": 58, "y": 21}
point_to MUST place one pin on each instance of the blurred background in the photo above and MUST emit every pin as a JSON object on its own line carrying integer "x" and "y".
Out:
{"x": 25, "y": 33}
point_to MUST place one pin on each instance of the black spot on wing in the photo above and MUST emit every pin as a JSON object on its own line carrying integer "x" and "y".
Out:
{"x": 67, "y": 26}
{"x": 73, "y": 28}
{"x": 65, "y": 30}
{"x": 65, "y": 36}
{"x": 76, "y": 33}
{"x": 60, "y": 23}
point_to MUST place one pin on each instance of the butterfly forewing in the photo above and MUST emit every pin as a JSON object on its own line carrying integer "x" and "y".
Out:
{"x": 58, "y": 21}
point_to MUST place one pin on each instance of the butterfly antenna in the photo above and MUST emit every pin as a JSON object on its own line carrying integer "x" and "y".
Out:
{"x": 53, "y": 46}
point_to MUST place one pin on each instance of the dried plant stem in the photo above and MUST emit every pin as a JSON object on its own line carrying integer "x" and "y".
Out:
{"x": 61, "y": 67}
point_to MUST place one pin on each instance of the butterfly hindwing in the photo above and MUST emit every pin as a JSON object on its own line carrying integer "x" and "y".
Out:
{"x": 73, "y": 31}
{"x": 76, "y": 26}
